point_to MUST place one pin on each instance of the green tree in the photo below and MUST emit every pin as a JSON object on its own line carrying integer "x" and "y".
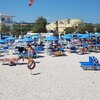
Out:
{"x": 16, "y": 30}
{"x": 19, "y": 29}
{"x": 70, "y": 30}
{"x": 89, "y": 28}
{"x": 5, "y": 29}
{"x": 97, "y": 28}
{"x": 86, "y": 27}
{"x": 40, "y": 25}
{"x": 82, "y": 29}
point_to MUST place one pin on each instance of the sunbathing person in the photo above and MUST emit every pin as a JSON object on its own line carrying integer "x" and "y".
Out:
{"x": 12, "y": 61}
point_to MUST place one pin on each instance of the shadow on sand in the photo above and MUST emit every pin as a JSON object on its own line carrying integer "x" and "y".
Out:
{"x": 35, "y": 74}
{"x": 39, "y": 56}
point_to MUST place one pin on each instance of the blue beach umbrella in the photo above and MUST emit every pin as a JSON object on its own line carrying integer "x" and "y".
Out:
{"x": 3, "y": 41}
{"x": 92, "y": 35}
{"x": 68, "y": 36}
{"x": 26, "y": 40}
{"x": 37, "y": 37}
{"x": 85, "y": 36}
{"x": 98, "y": 34}
{"x": 51, "y": 38}
{"x": 79, "y": 35}
{"x": 10, "y": 38}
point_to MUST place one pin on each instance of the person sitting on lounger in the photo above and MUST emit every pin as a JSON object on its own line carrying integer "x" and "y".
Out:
{"x": 84, "y": 47}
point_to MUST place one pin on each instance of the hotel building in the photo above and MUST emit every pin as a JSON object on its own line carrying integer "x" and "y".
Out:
{"x": 6, "y": 20}
{"x": 61, "y": 25}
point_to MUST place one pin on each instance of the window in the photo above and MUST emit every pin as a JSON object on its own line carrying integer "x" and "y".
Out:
{"x": 60, "y": 22}
{"x": 3, "y": 19}
{"x": 8, "y": 20}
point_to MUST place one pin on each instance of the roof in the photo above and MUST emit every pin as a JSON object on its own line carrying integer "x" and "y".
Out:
{"x": 4, "y": 15}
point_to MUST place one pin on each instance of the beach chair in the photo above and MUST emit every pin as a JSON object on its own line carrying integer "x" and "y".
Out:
{"x": 62, "y": 49}
{"x": 6, "y": 49}
{"x": 92, "y": 64}
{"x": 1, "y": 52}
{"x": 72, "y": 49}
{"x": 39, "y": 49}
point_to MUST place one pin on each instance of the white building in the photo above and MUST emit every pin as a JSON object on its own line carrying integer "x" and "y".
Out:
{"x": 6, "y": 20}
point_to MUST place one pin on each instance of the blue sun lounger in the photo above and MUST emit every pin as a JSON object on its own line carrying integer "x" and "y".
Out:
{"x": 92, "y": 64}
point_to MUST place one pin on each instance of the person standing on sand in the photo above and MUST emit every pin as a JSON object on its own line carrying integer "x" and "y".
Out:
{"x": 30, "y": 50}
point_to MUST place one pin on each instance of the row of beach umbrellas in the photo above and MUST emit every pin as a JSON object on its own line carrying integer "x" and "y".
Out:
{"x": 50, "y": 38}
{"x": 80, "y": 36}
{"x": 10, "y": 38}
{"x": 7, "y": 39}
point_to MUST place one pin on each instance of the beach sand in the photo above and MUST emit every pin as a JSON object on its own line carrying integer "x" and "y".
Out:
{"x": 54, "y": 78}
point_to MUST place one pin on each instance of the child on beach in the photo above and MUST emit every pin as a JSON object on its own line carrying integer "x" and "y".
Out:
{"x": 30, "y": 50}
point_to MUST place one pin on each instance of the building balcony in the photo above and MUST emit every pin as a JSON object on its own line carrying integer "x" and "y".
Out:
{"x": 6, "y": 22}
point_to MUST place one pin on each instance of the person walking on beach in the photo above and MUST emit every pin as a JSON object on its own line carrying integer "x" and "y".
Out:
{"x": 31, "y": 51}
{"x": 31, "y": 63}
{"x": 29, "y": 48}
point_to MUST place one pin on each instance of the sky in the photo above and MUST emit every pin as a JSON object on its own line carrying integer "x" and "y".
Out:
{"x": 52, "y": 10}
